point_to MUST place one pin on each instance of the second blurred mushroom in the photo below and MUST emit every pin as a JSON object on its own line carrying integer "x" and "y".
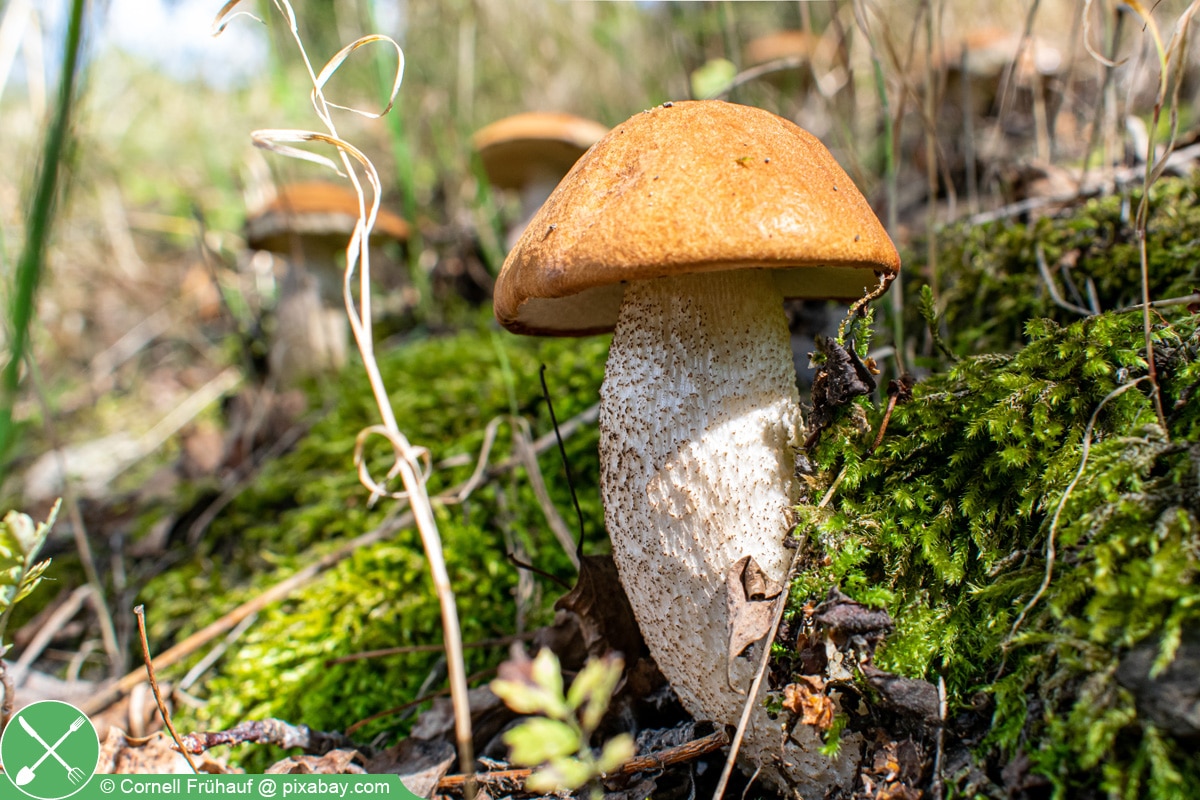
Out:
{"x": 309, "y": 225}
{"x": 530, "y": 153}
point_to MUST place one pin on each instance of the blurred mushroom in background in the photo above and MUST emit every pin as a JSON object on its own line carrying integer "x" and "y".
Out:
{"x": 783, "y": 56}
{"x": 309, "y": 225}
{"x": 530, "y": 153}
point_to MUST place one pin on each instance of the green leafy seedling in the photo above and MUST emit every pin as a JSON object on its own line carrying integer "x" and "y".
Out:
{"x": 20, "y": 572}
{"x": 556, "y": 736}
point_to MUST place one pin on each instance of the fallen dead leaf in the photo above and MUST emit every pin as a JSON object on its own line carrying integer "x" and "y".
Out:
{"x": 336, "y": 762}
{"x": 840, "y": 613}
{"x": 806, "y": 699}
{"x": 749, "y": 600}
{"x": 420, "y": 764}
{"x": 599, "y": 604}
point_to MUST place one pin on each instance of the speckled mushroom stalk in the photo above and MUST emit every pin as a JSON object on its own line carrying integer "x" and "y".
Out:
{"x": 699, "y": 418}
{"x": 685, "y": 228}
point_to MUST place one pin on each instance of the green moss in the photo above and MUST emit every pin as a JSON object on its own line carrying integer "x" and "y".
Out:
{"x": 443, "y": 391}
{"x": 989, "y": 283}
{"x": 947, "y": 526}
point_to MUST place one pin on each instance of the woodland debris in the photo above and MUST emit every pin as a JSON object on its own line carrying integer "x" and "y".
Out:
{"x": 345, "y": 761}
{"x": 842, "y": 615}
{"x": 154, "y": 755}
{"x": 267, "y": 731}
{"x": 420, "y": 763}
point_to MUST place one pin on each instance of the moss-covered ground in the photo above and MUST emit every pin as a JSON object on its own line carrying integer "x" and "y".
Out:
{"x": 444, "y": 391}
{"x": 1029, "y": 523}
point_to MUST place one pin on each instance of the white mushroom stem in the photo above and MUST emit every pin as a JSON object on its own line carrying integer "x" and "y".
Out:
{"x": 699, "y": 418}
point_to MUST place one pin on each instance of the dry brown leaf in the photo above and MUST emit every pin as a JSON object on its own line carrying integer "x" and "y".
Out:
{"x": 749, "y": 600}
{"x": 420, "y": 764}
{"x": 907, "y": 696}
{"x": 336, "y": 762}
{"x": 841, "y": 614}
{"x": 807, "y": 699}
{"x": 602, "y": 610}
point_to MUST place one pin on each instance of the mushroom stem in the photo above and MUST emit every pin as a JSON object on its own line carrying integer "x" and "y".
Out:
{"x": 699, "y": 415}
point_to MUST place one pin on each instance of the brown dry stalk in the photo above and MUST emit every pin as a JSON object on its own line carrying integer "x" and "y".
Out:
{"x": 140, "y": 613}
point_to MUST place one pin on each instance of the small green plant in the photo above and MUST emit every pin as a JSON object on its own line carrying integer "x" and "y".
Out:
{"x": 557, "y": 740}
{"x": 20, "y": 573}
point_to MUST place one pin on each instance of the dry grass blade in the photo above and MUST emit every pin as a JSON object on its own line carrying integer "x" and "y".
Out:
{"x": 334, "y": 63}
{"x": 272, "y": 139}
{"x": 1087, "y": 39}
{"x": 1155, "y": 164}
{"x": 408, "y": 459}
{"x": 140, "y": 613}
{"x": 227, "y": 15}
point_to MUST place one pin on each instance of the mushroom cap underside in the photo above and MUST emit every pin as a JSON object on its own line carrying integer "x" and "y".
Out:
{"x": 318, "y": 214}
{"x": 698, "y": 186}
{"x": 521, "y": 147}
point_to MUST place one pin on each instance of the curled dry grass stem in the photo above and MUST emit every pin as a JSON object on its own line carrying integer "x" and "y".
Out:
{"x": 408, "y": 459}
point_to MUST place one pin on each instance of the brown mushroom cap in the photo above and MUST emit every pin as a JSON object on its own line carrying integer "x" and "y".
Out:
{"x": 699, "y": 186}
{"x": 516, "y": 147}
{"x": 780, "y": 44}
{"x": 315, "y": 214}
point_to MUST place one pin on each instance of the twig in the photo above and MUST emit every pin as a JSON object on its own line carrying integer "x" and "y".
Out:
{"x": 670, "y": 756}
{"x": 265, "y": 731}
{"x": 898, "y": 390}
{"x": 140, "y": 612}
{"x": 1048, "y": 279}
{"x": 1189, "y": 299}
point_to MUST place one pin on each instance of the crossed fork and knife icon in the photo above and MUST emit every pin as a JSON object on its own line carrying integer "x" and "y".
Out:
{"x": 27, "y": 773}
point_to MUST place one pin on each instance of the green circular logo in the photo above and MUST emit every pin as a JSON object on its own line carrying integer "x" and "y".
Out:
{"x": 49, "y": 750}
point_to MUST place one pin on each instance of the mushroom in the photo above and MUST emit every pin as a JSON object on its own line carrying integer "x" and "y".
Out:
{"x": 531, "y": 152}
{"x": 782, "y": 54}
{"x": 685, "y": 228}
{"x": 309, "y": 224}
